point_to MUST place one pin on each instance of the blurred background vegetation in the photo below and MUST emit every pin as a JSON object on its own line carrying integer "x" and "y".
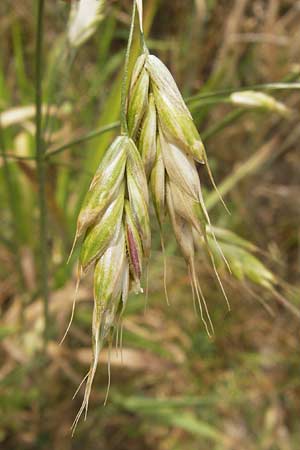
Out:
{"x": 174, "y": 388}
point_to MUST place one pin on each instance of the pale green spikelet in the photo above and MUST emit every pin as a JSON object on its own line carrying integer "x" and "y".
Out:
{"x": 239, "y": 254}
{"x": 178, "y": 127}
{"x": 99, "y": 236}
{"x": 180, "y": 168}
{"x": 104, "y": 185}
{"x": 174, "y": 116}
{"x": 147, "y": 141}
{"x": 162, "y": 78}
{"x": 138, "y": 102}
{"x": 186, "y": 207}
{"x": 108, "y": 288}
{"x": 135, "y": 170}
{"x": 254, "y": 99}
{"x": 140, "y": 213}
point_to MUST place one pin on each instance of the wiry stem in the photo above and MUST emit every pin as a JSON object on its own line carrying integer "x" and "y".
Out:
{"x": 124, "y": 125}
{"x": 41, "y": 166}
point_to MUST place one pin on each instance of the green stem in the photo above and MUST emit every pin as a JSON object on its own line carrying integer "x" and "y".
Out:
{"x": 124, "y": 125}
{"x": 41, "y": 167}
{"x": 266, "y": 87}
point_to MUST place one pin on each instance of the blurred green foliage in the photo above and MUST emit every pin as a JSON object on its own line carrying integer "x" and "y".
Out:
{"x": 176, "y": 388}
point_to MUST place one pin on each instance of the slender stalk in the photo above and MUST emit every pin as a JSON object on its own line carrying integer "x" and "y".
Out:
{"x": 124, "y": 125}
{"x": 41, "y": 166}
{"x": 281, "y": 86}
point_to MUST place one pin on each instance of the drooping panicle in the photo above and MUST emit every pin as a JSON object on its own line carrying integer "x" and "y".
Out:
{"x": 171, "y": 148}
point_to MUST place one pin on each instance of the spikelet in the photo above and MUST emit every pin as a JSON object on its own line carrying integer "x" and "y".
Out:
{"x": 138, "y": 102}
{"x": 104, "y": 186}
{"x": 139, "y": 197}
{"x": 85, "y": 16}
{"x": 183, "y": 231}
{"x": 109, "y": 282}
{"x": 115, "y": 223}
{"x": 162, "y": 148}
{"x": 99, "y": 236}
{"x": 171, "y": 146}
{"x": 147, "y": 141}
{"x": 174, "y": 116}
{"x": 134, "y": 248}
{"x": 254, "y": 99}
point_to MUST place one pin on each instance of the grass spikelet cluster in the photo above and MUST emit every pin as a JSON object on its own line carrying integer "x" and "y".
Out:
{"x": 115, "y": 227}
{"x": 171, "y": 148}
{"x": 158, "y": 151}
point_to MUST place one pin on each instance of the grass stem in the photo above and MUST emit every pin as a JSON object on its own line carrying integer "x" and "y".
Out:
{"x": 124, "y": 125}
{"x": 41, "y": 167}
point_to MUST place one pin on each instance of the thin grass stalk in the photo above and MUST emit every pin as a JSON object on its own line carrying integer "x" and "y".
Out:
{"x": 41, "y": 167}
{"x": 81, "y": 139}
{"x": 124, "y": 126}
{"x": 281, "y": 86}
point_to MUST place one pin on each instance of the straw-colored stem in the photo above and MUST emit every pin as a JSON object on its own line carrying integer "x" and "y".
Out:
{"x": 41, "y": 166}
{"x": 124, "y": 125}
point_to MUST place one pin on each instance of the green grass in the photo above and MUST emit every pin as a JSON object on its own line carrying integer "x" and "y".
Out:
{"x": 237, "y": 390}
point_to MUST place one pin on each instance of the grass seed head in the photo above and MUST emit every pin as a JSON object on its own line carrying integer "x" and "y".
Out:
{"x": 108, "y": 288}
{"x": 243, "y": 264}
{"x": 255, "y": 99}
